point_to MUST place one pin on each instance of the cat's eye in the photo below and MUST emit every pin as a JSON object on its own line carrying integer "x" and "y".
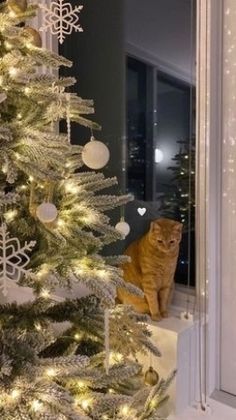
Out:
{"x": 172, "y": 241}
{"x": 160, "y": 241}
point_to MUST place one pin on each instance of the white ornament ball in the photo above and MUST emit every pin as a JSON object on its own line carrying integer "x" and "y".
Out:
{"x": 123, "y": 228}
{"x": 95, "y": 154}
{"x": 47, "y": 212}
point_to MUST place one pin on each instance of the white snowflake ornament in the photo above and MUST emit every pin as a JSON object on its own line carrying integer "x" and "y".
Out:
{"x": 13, "y": 258}
{"x": 61, "y": 19}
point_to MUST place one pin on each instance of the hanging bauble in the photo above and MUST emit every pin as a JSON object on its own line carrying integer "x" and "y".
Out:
{"x": 151, "y": 377}
{"x": 95, "y": 154}
{"x": 33, "y": 37}
{"x": 17, "y": 6}
{"x": 47, "y": 212}
{"x": 123, "y": 228}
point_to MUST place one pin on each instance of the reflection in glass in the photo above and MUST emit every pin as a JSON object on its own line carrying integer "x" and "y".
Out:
{"x": 161, "y": 161}
{"x": 175, "y": 175}
{"x": 136, "y": 128}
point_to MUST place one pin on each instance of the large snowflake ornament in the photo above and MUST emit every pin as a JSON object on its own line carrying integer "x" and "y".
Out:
{"x": 61, "y": 19}
{"x": 13, "y": 258}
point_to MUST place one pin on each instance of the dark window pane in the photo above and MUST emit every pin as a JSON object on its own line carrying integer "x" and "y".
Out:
{"x": 161, "y": 152}
{"x": 136, "y": 127}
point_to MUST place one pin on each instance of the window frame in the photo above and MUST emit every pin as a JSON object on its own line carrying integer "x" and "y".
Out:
{"x": 209, "y": 190}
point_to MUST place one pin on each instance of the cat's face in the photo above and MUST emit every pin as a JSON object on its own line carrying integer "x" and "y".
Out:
{"x": 165, "y": 234}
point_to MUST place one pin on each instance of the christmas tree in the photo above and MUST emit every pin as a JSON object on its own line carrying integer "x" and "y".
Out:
{"x": 178, "y": 203}
{"x": 179, "y": 200}
{"x": 52, "y": 359}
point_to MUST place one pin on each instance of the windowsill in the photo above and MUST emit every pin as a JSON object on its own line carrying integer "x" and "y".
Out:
{"x": 173, "y": 323}
{"x": 224, "y": 398}
{"x": 177, "y": 341}
{"x": 183, "y": 297}
{"x": 185, "y": 289}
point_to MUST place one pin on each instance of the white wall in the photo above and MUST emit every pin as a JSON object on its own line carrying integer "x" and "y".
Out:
{"x": 162, "y": 28}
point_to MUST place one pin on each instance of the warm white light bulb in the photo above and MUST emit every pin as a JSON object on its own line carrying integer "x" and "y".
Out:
{"x": 115, "y": 358}
{"x": 8, "y": 46}
{"x": 60, "y": 223}
{"x": 78, "y": 336}
{"x": 38, "y": 327}
{"x": 85, "y": 404}
{"x": 103, "y": 274}
{"x": 72, "y": 188}
{"x": 36, "y": 405}
{"x": 51, "y": 372}
{"x": 15, "y": 393}
{"x": 80, "y": 384}
{"x": 12, "y": 14}
{"x": 159, "y": 156}
{"x": 10, "y": 215}
{"x": 45, "y": 294}
{"x": 125, "y": 410}
{"x": 13, "y": 71}
{"x": 5, "y": 168}
{"x": 43, "y": 271}
{"x": 89, "y": 218}
{"x": 153, "y": 403}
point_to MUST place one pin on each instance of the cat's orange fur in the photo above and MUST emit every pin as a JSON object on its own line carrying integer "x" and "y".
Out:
{"x": 152, "y": 268}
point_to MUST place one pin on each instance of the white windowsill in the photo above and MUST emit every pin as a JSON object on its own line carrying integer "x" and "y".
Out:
{"x": 178, "y": 342}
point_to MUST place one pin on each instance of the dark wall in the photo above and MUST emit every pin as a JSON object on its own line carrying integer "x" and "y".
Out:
{"x": 99, "y": 66}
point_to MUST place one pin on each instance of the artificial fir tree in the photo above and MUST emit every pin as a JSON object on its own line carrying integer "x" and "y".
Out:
{"x": 52, "y": 360}
{"x": 179, "y": 200}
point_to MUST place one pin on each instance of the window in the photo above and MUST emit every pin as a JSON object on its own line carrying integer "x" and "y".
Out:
{"x": 161, "y": 151}
{"x": 137, "y": 122}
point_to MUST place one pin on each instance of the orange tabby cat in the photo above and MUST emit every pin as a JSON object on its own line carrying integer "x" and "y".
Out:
{"x": 152, "y": 268}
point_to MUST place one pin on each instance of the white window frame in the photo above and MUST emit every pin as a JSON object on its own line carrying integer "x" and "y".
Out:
{"x": 209, "y": 134}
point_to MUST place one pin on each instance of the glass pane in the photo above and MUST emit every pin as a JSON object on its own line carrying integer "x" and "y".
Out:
{"x": 160, "y": 123}
{"x": 136, "y": 91}
{"x": 137, "y": 61}
{"x": 174, "y": 171}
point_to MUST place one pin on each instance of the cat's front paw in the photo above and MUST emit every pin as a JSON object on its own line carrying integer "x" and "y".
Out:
{"x": 165, "y": 314}
{"x": 156, "y": 317}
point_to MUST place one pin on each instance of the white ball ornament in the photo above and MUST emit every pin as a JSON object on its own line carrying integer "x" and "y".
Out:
{"x": 95, "y": 154}
{"x": 47, "y": 212}
{"x": 123, "y": 228}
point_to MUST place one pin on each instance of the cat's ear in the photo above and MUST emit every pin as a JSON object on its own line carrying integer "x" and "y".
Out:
{"x": 155, "y": 227}
{"x": 178, "y": 227}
